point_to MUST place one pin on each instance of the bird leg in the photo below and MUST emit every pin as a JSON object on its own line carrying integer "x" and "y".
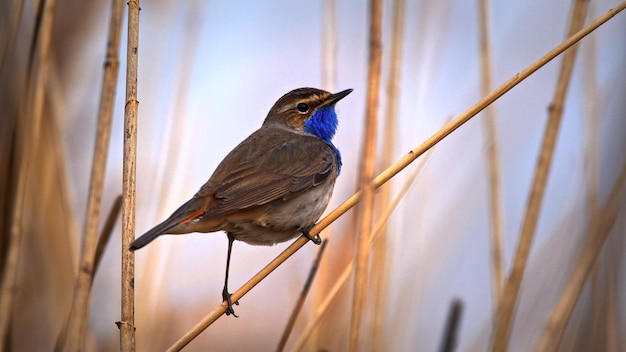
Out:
{"x": 225, "y": 294}
{"x": 315, "y": 239}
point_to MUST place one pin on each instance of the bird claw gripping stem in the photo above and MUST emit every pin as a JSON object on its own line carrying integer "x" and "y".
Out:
{"x": 315, "y": 239}
{"x": 229, "y": 303}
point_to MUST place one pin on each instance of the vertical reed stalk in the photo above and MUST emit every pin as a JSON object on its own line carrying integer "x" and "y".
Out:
{"x": 329, "y": 70}
{"x": 611, "y": 327}
{"x": 127, "y": 324}
{"x": 379, "y": 283}
{"x": 29, "y": 128}
{"x": 7, "y": 39}
{"x": 73, "y": 336}
{"x": 591, "y": 167}
{"x": 495, "y": 197}
{"x": 597, "y": 233}
{"x": 368, "y": 160}
{"x": 506, "y": 307}
{"x": 591, "y": 128}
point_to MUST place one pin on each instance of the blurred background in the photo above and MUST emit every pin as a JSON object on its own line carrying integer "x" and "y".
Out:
{"x": 208, "y": 74}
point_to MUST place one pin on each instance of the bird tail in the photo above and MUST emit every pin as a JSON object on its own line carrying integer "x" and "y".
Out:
{"x": 191, "y": 210}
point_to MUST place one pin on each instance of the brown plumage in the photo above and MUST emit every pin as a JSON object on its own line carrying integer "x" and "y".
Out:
{"x": 271, "y": 187}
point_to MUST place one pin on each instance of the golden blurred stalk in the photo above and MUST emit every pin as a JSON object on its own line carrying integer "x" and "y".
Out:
{"x": 368, "y": 160}
{"x": 597, "y": 233}
{"x": 30, "y": 133}
{"x": 379, "y": 282}
{"x": 8, "y": 30}
{"x": 72, "y": 338}
{"x": 510, "y": 293}
{"x": 329, "y": 81}
{"x": 495, "y": 197}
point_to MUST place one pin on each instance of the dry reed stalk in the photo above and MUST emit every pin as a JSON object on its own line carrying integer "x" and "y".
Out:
{"x": 127, "y": 323}
{"x": 495, "y": 188}
{"x": 393, "y": 170}
{"x": 107, "y": 231}
{"x": 591, "y": 157}
{"x": 591, "y": 167}
{"x": 597, "y": 233}
{"x": 300, "y": 302}
{"x": 510, "y": 293}
{"x": 368, "y": 169}
{"x": 596, "y": 303}
{"x": 9, "y": 35}
{"x": 592, "y": 121}
{"x": 329, "y": 81}
{"x": 611, "y": 328}
{"x": 52, "y": 228}
{"x": 11, "y": 260}
{"x": 73, "y": 335}
{"x": 379, "y": 282}
{"x": 380, "y": 227}
{"x": 30, "y": 131}
{"x": 70, "y": 231}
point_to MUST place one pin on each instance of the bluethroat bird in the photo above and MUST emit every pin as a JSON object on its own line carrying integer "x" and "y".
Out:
{"x": 274, "y": 185}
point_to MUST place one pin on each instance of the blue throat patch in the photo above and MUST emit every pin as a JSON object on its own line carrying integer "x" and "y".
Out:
{"x": 323, "y": 124}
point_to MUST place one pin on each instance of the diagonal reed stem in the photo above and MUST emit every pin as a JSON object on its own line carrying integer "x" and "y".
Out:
{"x": 393, "y": 170}
{"x": 510, "y": 293}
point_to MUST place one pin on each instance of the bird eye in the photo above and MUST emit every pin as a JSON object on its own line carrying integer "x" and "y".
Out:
{"x": 302, "y": 107}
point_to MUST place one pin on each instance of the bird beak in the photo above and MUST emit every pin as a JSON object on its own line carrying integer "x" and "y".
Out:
{"x": 334, "y": 98}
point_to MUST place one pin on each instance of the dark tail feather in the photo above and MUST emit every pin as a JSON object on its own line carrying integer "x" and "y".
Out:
{"x": 153, "y": 233}
{"x": 192, "y": 209}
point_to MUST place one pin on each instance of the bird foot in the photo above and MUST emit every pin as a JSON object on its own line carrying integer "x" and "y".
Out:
{"x": 229, "y": 303}
{"x": 315, "y": 239}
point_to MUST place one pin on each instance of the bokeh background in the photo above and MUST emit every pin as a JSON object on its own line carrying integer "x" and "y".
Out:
{"x": 208, "y": 74}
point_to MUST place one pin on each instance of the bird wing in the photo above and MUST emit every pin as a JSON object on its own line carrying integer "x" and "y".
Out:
{"x": 276, "y": 164}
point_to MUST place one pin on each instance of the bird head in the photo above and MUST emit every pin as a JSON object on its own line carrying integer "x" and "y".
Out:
{"x": 307, "y": 110}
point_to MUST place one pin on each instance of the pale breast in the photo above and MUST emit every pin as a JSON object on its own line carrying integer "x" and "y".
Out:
{"x": 281, "y": 220}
